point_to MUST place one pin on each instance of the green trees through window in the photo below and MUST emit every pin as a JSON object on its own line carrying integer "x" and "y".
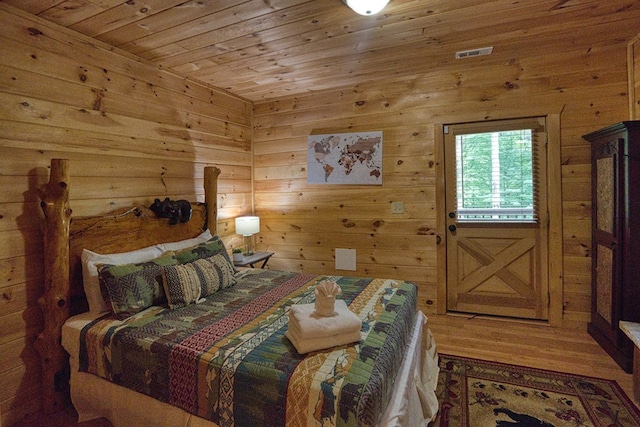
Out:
{"x": 495, "y": 176}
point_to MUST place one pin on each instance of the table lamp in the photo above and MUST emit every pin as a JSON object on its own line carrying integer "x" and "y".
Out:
{"x": 248, "y": 226}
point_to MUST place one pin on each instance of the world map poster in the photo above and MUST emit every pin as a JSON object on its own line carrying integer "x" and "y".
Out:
{"x": 345, "y": 158}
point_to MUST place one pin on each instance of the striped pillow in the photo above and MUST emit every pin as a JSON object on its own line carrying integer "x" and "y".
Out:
{"x": 185, "y": 284}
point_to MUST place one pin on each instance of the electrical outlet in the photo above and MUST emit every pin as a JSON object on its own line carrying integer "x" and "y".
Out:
{"x": 397, "y": 207}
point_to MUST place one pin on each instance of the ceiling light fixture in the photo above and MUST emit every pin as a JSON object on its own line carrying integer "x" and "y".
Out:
{"x": 366, "y": 7}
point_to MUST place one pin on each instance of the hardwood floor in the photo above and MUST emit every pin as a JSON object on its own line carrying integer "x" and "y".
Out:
{"x": 526, "y": 343}
{"x": 508, "y": 341}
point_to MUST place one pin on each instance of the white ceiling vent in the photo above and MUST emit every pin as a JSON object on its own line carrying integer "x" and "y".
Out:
{"x": 474, "y": 52}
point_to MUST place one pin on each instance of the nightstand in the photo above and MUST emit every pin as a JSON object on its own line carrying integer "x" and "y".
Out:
{"x": 249, "y": 260}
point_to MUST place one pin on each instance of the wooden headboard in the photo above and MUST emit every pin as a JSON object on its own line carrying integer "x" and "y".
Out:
{"x": 64, "y": 239}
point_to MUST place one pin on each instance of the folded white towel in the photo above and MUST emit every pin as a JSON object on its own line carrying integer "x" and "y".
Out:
{"x": 311, "y": 325}
{"x": 306, "y": 345}
{"x": 295, "y": 328}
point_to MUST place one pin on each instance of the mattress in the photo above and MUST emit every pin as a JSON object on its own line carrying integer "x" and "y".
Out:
{"x": 257, "y": 366}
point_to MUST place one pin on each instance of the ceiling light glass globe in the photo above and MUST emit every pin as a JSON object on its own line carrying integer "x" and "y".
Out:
{"x": 366, "y": 7}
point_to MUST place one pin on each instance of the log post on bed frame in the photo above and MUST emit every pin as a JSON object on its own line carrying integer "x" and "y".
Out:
{"x": 54, "y": 303}
{"x": 211, "y": 196}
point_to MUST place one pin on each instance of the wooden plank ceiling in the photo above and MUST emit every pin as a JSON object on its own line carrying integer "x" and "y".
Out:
{"x": 263, "y": 49}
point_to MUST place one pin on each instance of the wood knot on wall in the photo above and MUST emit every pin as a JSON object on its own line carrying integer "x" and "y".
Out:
{"x": 425, "y": 231}
{"x": 348, "y": 224}
{"x": 97, "y": 103}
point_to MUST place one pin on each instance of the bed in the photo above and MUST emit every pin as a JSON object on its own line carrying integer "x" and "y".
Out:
{"x": 215, "y": 354}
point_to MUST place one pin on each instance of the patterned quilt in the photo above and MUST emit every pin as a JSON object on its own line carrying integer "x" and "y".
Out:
{"x": 227, "y": 359}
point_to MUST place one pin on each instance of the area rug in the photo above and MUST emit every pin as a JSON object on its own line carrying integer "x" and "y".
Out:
{"x": 476, "y": 393}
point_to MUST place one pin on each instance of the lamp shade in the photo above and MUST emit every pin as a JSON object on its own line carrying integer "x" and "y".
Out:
{"x": 366, "y": 7}
{"x": 247, "y": 225}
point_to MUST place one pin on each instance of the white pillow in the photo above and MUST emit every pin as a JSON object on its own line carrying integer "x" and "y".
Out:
{"x": 183, "y": 244}
{"x": 90, "y": 280}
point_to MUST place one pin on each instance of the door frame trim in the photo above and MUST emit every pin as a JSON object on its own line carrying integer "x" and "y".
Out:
{"x": 554, "y": 205}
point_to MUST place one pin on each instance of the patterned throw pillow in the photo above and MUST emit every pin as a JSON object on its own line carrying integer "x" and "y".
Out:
{"x": 91, "y": 281}
{"x": 131, "y": 288}
{"x": 207, "y": 249}
{"x": 185, "y": 284}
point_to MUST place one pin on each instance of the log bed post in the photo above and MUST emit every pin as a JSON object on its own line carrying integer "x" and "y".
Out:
{"x": 211, "y": 197}
{"x": 54, "y": 303}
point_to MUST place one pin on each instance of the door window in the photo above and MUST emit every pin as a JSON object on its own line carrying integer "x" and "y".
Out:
{"x": 495, "y": 176}
{"x": 496, "y": 171}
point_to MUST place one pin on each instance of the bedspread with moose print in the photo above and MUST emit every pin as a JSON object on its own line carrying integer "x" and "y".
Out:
{"x": 227, "y": 359}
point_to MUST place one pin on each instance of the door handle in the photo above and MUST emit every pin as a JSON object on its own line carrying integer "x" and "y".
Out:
{"x": 452, "y": 228}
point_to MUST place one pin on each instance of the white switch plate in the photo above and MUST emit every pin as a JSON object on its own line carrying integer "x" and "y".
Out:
{"x": 345, "y": 259}
{"x": 397, "y": 207}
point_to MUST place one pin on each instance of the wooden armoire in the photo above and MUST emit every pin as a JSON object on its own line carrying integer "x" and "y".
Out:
{"x": 615, "y": 187}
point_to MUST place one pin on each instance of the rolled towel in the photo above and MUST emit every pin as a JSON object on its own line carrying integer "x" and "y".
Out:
{"x": 304, "y": 319}
{"x": 327, "y": 288}
{"x": 306, "y": 345}
{"x": 326, "y": 292}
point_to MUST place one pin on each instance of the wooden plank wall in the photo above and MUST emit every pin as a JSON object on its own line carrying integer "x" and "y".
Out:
{"x": 585, "y": 85}
{"x": 132, "y": 133}
{"x": 634, "y": 78}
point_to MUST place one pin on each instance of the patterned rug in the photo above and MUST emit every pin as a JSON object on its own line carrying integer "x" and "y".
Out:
{"x": 476, "y": 393}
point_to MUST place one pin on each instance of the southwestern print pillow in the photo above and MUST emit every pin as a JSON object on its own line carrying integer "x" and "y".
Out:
{"x": 207, "y": 249}
{"x": 131, "y": 288}
{"x": 90, "y": 280}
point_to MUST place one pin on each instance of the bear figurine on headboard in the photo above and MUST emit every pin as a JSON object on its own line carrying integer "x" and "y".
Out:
{"x": 175, "y": 210}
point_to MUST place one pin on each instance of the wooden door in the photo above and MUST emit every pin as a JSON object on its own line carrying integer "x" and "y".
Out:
{"x": 497, "y": 242}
